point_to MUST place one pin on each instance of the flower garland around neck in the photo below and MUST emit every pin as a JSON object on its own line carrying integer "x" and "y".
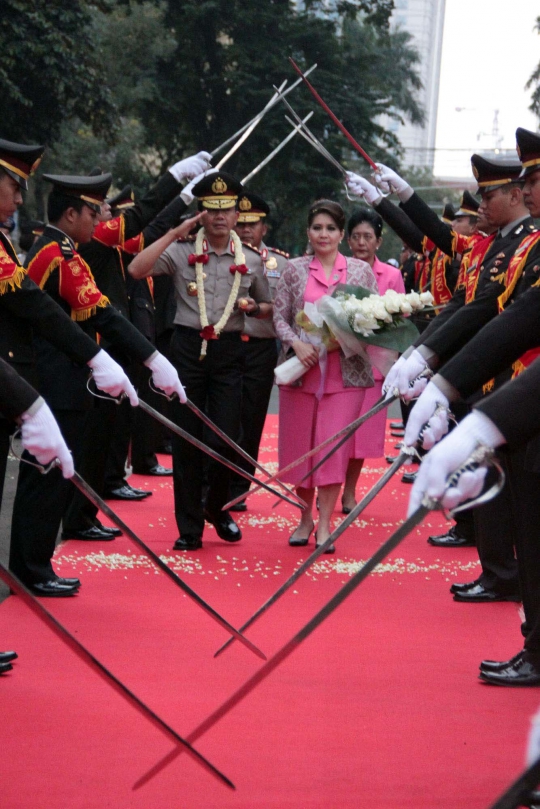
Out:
{"x": 199, "y": 258}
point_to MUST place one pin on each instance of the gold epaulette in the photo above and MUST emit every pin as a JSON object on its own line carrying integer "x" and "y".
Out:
{"x": 184, "y": 239}
{"x": 280, "y": 252}
{"x": 250, "y": 247}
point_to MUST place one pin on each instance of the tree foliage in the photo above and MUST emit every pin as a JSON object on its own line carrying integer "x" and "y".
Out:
{"x": 534, "y": 82}
{"x": 132, "y": 85}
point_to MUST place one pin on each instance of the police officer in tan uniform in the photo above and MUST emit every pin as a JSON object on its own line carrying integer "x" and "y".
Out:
{"x": 259, "y": 339}
{"x": 218, "y": 281}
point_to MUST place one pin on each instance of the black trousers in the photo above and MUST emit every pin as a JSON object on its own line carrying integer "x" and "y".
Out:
{"x": 494, "y": 525}
{"x": 39, "y": 506}
{"x": 6, "y": 428}
{"x": 260, "y": 360}
{"x": 214, "y": 385}
{"x": 524, "y": 485}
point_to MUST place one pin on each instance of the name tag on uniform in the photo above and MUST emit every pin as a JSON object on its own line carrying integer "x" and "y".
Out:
{"x": 273, "y": 274}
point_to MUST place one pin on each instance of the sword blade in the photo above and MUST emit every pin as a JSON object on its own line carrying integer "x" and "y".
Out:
{"x": 237, "y": 448}
{"x": 97, "y": 666}
{"x": 256, "y": 121}
{"x": 322, "y": 151}
{"x": 334, "y": 118}
{"x": 94, "y": 498}
{"x": 212, "y": 453}
{"x": 351, "y": 517}
{"x": 518, "y": 792}
{"x": 349, "y": 429}
{"x": 286, "y": 650}
{"x": 243, "y": 128}
{"x": 276, "y": 151}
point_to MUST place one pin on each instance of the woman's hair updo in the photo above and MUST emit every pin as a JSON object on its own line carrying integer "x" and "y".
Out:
{"x": 332, "y": 209}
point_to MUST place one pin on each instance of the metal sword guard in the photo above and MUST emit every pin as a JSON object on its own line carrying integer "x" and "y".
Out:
{"x": 43, "y": 469}
{"x": 116, "y": 399}
{"x": 481, "y": 456}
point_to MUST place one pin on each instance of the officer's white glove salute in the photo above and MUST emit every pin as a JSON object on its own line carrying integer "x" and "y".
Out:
{"x": 41, "y": 437}
{"x": 431, "y": 409}
{"x": 362, "y": 188}
{"x": 190, "y": 167}
{"x": 403, "y": 377}
{"x": 389, "y": 180}
{"x": 452, "y": 452}
{"x": 111, "y": 378}
{"x": 165, "y": 376}
{"x": 187, "y": 191}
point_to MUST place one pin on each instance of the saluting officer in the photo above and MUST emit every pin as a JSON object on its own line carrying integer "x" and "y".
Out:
{"x": 258, "y": 338}
{"x": 213, "y": 275}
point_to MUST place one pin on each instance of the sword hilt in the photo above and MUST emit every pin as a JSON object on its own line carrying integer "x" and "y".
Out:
{"x": 43, "y": 469}
{"x": 116, "y": 399}
{"x": 481, "y": 456}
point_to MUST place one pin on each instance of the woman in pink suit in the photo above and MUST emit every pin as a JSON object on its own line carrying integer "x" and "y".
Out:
{"x": 364, "y": 233}
{"x": 331, "y": 393}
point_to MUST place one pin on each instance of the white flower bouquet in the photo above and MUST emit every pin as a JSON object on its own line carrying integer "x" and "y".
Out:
{"x": 376, "y": 327}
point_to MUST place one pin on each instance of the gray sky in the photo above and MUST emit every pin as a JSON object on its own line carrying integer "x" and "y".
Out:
{"x": 490, "y": 49}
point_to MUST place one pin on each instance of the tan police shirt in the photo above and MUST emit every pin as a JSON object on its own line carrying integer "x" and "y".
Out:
{"x": 274, "y": 262}
{"x": 217, "y": 284}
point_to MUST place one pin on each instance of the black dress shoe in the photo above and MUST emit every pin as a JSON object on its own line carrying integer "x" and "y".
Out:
{"x": 241, "y": 506}
{"x": 7, "y": 657}
{"x": 158, "y": 470}
{"x": 126, "y": 492}
{"x": 524, "y": 672}
{"x": 533, "y": 801}
{"x": 92, "y": 533}
{"x": 495, "y": 665}
{"x": 5, "y": 667}
{"x": 408, "y": 477}
{"x": 480, "y": 595}
{"x": 397, "y": 425}
{"x": 451, "y": 540}
{"x": 68, "y": 582}
{"x": 188, "y": 543}
{"x": 116, "y": 532}
{"x": 225, "y": 526}
{"x": 461, "y": 588}
{"x": 52, "y": 588}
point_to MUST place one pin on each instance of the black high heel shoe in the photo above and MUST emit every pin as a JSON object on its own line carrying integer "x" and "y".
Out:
{"x": 330, "y": 549}
{"x": 299, "y": 542}
{"x": 345, "y": 509}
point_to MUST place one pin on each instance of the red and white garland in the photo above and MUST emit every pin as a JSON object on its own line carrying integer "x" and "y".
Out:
{"x": 199, "y": 259}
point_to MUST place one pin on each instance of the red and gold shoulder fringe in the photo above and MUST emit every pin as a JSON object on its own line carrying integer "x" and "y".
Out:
{"x": 76, "y": 284}
{"x": 11, "y": 270}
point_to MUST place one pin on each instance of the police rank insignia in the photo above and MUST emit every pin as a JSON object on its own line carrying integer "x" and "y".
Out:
{"x": 271, "y": 263}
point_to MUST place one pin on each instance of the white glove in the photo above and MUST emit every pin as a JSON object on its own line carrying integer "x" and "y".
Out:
{"x": 362, "y": 188}
{"x": 111, "y": 377}
{"x": 165, "y": 376}
{"x": 42, "y": 438}
{"x": 187, "y": 191}
{"x": 390, "y": 380}
{"x": 189, "y": 167}
{"x": 408, "y": 373}
{"x": 452, "y": 452}
{"x": 390, "y": 180}
{"x": 422, "y": 413}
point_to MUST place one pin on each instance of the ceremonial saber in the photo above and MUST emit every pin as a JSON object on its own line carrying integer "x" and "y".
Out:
{"x": 174, "y": 428}
{"x": 480, "y": 456}
{"x": 286, "y": 650}
{"x": 242, "y": 129}
{"x": 308, "y": 135}
{"x": 94, "y": 498}
{"x": 334, "y": 118}
{"x": 350, "y": 428}
{"x": 320, "y": 549}
{"x": 237, "y": 448}
{"x": 520, "y": 790}
{"x": 256, "y": 121}
{"x": 88, "y": 658}
{"x": 278, "y": 149}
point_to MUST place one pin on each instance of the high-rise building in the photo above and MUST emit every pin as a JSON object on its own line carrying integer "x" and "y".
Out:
{"x": 424, "y": 20}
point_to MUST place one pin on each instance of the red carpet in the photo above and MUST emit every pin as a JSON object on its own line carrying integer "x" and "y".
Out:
{"x": 380, "y": 707}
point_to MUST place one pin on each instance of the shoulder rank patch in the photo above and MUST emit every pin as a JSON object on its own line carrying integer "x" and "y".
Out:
{"x": 250, "y": 247}
{"x": 280, "y": 252}
{"x": 66, "y": 248}
{"x": 185, "y": 239}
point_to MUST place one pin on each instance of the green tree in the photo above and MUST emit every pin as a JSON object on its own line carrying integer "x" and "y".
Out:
{"x": 51, "y": 69}
{"x": 534, "y": 81}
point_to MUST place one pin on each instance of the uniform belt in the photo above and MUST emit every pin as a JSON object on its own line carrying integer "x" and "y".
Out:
{"x": 189, "y": 332}
{"x": 247, "y": 338}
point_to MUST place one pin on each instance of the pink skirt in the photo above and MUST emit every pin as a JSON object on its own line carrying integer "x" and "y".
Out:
{"x": 369, "y": 438}
{"x": 305, "y": 422}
